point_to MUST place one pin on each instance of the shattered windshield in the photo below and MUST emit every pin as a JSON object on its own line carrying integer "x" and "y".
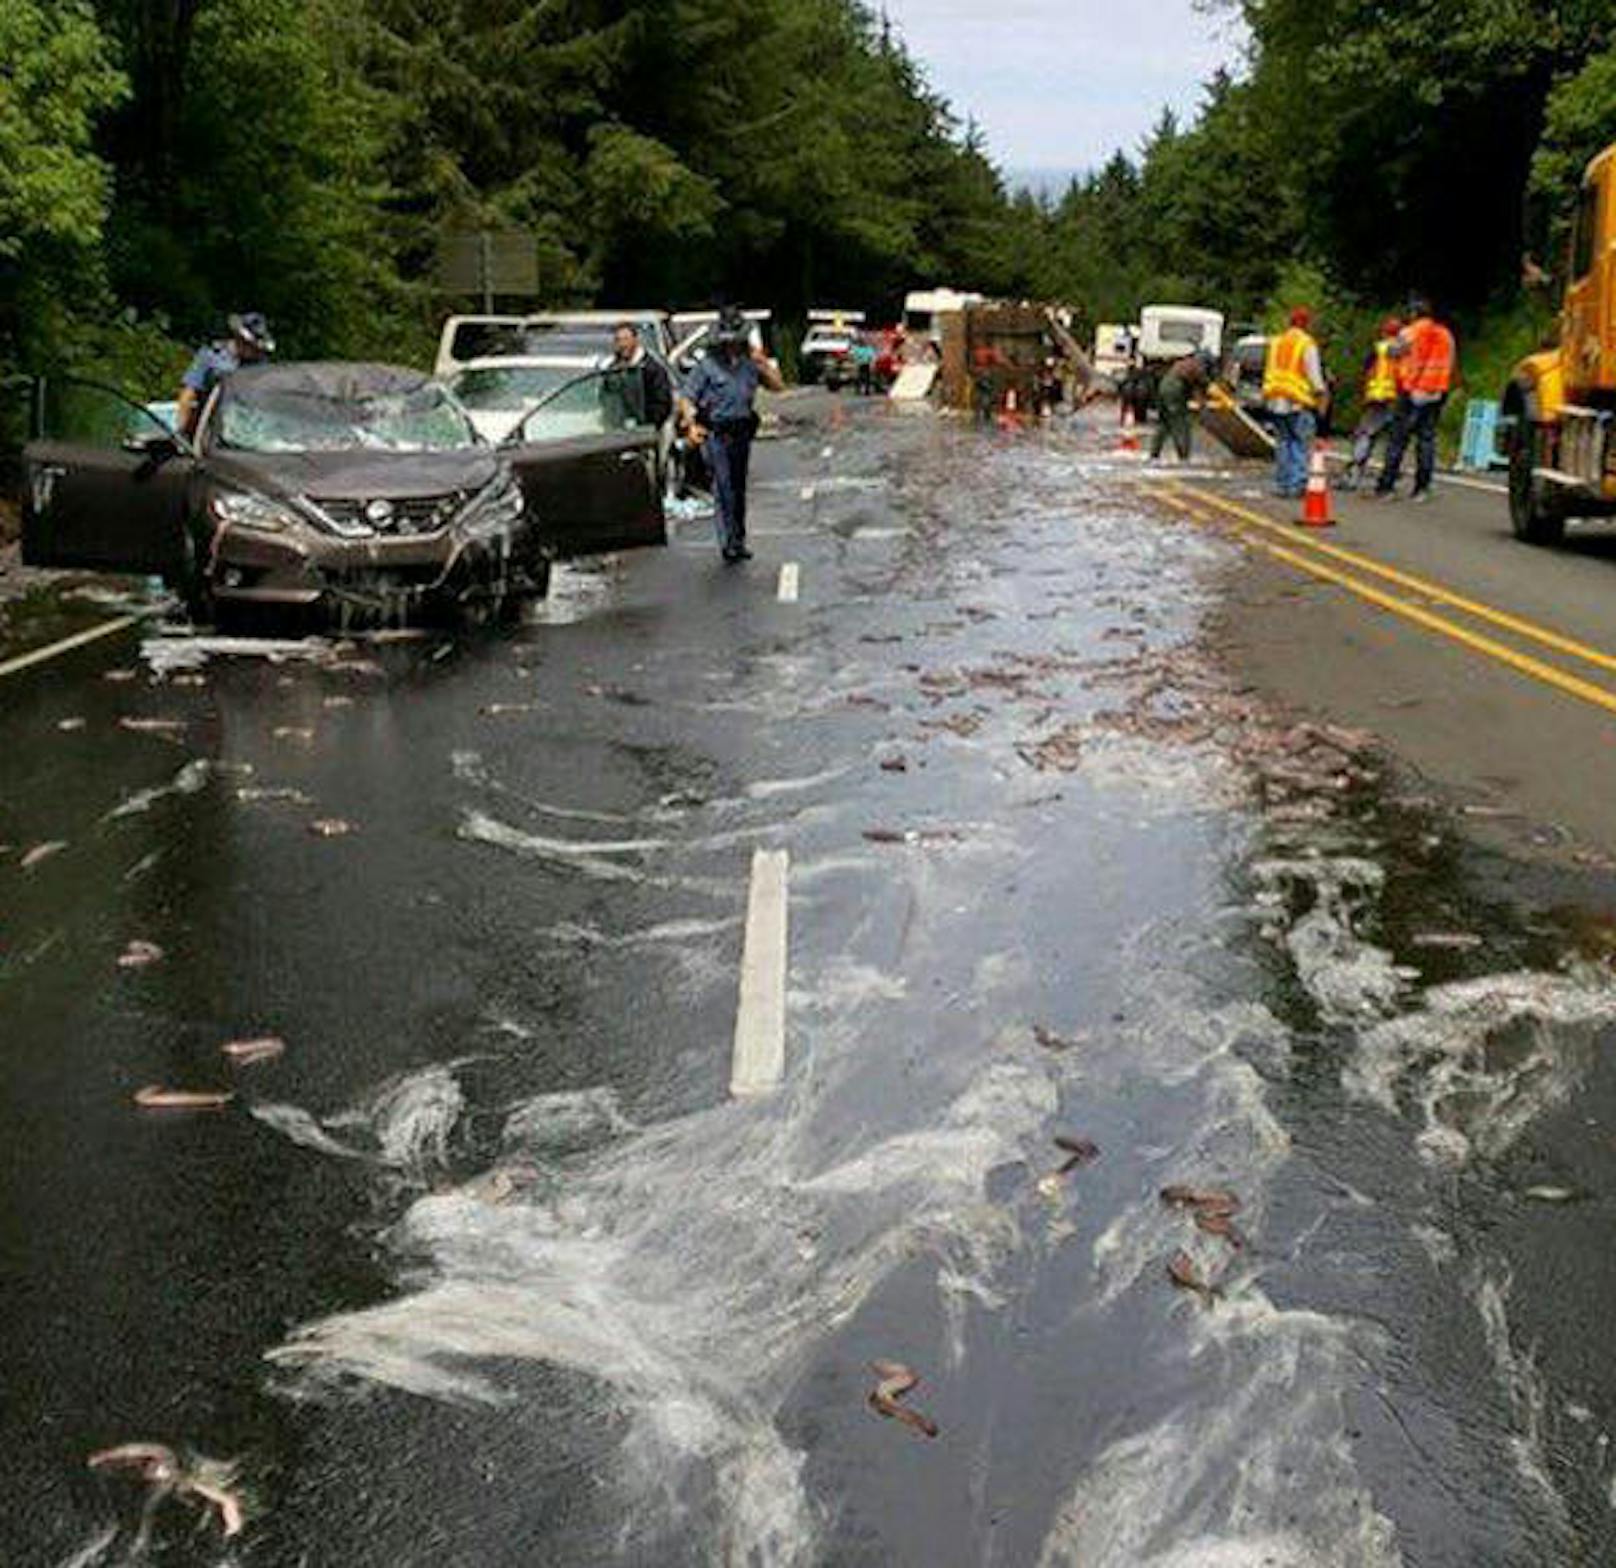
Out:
{"x": 424, "y": 419}
{"x": 510, "y": 386}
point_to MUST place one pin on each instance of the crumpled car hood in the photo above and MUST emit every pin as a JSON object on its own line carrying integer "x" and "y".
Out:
{"x": 359, "y": 476}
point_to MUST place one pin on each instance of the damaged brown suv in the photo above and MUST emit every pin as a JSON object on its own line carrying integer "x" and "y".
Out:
{"x": 360, "y": 489}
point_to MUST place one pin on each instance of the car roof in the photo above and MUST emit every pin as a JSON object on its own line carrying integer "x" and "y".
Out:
{"x": 604, "y": 318}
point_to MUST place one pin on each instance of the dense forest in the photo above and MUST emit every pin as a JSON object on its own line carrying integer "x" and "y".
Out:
{"x": 165, "y": 161}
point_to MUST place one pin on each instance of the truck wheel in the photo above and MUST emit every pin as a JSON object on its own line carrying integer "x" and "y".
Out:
{"x": 1535, "y": 513}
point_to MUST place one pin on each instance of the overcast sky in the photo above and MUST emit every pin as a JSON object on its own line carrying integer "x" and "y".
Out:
{"x": 1064, "y": 83}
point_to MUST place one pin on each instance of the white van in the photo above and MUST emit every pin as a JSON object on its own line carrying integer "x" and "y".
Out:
{"x": 923, "y": 307}
{"x": 1113, "y": 348}
{"x": 1172, "y": 331}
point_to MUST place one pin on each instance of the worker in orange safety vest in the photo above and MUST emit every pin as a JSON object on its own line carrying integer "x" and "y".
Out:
{"x": 1379, "y": 400}
{"x": 1425, "y": 357}
{"x": 1294, "y": 393}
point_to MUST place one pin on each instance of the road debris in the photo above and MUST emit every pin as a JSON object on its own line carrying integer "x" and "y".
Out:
{"x": 168, "y": 728}
{"x": 330, "y": 827}
{"x": 188, "y": 781}
{"x": 302, "y": 733}
{"x": 156, "y": 1098}
{"x": 245, "y": 1053}
{"x": 119, "y": 677}
{"x": 337, "y": 701}
{"x": 253, "y": 794}
{"x": 1050, "y": 1041}
{"x": 67, "y": 726}
{"x": 894, "y": 765}
{"x": 1204, "y": 1200}
{"x": 1079, "y": 1151}
{"x": 139, "y": 953}
{"x": 495, "y": 709}
{"x": 206, "y": 1480}
{"x": 1061, "y": 752}
{"x": 1215, "y": 1222}
{"x": 1459, "y": 941}
{"x": 896, "y": 1380}
{"x": 1550, "y": 1194}
{"x": 41, "y": 852}
{"x": 1181, "y": 1270}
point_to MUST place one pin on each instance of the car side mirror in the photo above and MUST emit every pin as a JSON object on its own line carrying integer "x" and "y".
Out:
{"x": 158, "y": 447}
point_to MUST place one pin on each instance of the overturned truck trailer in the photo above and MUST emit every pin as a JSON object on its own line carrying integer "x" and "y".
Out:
{"x": 992, "y": 350}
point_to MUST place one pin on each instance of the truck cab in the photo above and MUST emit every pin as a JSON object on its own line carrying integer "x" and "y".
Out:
{"x": 1560, "y": 404}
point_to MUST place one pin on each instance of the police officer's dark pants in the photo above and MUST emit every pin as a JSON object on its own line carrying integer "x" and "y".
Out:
{"x": 1416, "y": 421}
{"x": 729, "y": 453}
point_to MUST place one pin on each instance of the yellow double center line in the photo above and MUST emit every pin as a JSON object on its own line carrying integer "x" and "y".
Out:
{"x": 1189, "y": 500}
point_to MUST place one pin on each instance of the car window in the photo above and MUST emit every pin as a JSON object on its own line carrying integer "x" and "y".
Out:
{"x": 284, "y": 419}
{"x": 82, "y": 414}
{"x": 509, "y": 386}
{"x": 600, "y": 403}
{"x": 486, "y": 339}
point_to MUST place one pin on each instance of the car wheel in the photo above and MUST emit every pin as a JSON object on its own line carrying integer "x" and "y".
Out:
{"x": 1535, "y": 513}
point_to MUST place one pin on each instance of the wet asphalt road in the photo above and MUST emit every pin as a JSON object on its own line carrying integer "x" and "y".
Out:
{"x": 488, "y": 1269}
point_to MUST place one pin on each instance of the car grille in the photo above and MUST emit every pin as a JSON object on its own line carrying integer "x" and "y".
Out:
{"x": 413, "y": 514}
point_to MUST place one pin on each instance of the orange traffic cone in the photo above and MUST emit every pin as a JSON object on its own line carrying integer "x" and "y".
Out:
{"x": 1130, "y": 436}
{"x": 1316, "y": 501}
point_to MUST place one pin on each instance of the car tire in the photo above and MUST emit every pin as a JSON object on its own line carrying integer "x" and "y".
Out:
{"x": 1535, "y": 513}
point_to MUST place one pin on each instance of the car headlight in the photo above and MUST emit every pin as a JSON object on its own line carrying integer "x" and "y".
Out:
{"x": 498, "y": 505}
{"x": 247, "y": 510}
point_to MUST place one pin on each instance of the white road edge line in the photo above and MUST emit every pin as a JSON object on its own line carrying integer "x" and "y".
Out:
{"x": 25, "y": 661}
{"x": 790, "y": 577}
{"x": 1474, "y": 484}
{"x": 759, "y": 1061}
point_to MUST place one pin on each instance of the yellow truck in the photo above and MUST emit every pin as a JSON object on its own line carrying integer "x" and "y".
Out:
{"x": 1560, "y": 406}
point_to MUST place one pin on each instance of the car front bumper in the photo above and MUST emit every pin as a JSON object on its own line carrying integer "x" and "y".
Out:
{"x": 386, "y": 574}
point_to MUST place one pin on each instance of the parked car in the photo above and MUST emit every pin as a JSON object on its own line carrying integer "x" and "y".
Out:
{"x": 1243, "y": 369}
{"x": 826, "y": 355}
{"x": 692, "y": 329}
{"x": 575, "y": 333}
{"x": 497, "y": 393}
{"x": 358, "y": 488}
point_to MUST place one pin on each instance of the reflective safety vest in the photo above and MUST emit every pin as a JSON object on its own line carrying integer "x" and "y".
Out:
{"x": 1285, "y": 371}
{"x": 1381, "y": 386}
{"x": 1426, "y": 370}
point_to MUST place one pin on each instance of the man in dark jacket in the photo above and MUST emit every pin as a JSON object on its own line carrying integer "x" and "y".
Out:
{"x": 638, "y": 383}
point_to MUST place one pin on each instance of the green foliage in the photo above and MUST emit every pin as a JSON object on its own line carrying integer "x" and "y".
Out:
{"x": 58, "y": 79}
{"x": 1579, "y": 120}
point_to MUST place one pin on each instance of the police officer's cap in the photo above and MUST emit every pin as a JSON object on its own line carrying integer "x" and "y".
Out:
{"x": 251, "y": 327}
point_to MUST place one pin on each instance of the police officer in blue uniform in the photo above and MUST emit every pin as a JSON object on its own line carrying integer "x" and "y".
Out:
{"x": 718, "y": 405}
{"x": 249, "y": 342}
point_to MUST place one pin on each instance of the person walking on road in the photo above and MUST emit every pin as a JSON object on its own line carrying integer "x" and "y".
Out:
{"x": 1379, "y": 400}
{"x": 1183, "y": 379}
{"x": 248, "y": 343}
{"x": 718, "y": 404}
{"x": 1424, "y": 356}
{"x": 1294, "y": 390}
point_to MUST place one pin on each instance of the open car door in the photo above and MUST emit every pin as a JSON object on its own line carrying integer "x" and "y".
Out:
{"x": 106, "y": 483}
{"x": 589, "y": 467}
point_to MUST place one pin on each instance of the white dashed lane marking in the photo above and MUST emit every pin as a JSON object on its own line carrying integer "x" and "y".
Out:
{"x": 759, "y": 1061}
